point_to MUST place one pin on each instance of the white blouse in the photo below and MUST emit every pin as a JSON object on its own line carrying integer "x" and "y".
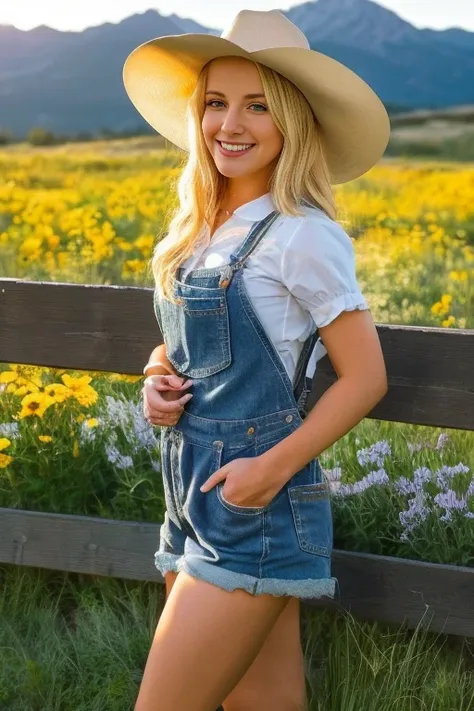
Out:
{"x": 301, "y": 275}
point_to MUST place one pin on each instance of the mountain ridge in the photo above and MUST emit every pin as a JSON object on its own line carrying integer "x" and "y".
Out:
{"x": 49, "y": 78}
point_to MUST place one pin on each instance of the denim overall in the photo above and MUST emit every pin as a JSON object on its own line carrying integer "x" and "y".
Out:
{"x": 244, "y": 403}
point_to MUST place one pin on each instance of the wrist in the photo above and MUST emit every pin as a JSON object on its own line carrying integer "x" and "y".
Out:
{"x": 156, "y": 368}
{"x": 272, "y": 462}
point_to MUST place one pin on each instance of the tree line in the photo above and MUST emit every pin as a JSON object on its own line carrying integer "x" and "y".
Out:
{"x": 40, "y": 136}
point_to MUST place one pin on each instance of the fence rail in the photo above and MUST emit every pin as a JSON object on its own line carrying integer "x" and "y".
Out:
{"x": 371, "y": 586}
{"x": 112, "y": 328}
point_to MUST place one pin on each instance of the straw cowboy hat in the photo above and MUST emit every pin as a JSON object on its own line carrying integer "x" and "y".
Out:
{"x": 160, "y": 75}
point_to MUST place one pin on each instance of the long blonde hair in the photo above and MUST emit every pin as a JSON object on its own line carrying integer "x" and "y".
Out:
{"x": 301, "y": 173}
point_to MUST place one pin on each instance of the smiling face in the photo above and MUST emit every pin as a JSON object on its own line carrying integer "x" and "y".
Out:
{"x": 237, "y": 126}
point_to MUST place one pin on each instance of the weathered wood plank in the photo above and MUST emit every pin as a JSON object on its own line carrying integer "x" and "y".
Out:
{"x": 113, "y": 328}
{"x": 88, "y": 327}
{"x": 81, "y": 544}
{"x": 430, "y": 373}
{"x": 371, "y": 587}
{"x": 399, "y": 590}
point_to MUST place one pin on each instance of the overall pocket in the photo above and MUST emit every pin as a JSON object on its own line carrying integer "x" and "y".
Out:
{"x": 217, "y": 463}
{"x": 311, "y": 508}
{"x": 196, "y": 333}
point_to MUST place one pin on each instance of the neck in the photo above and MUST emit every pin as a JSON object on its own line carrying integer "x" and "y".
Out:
{"x": 239, "y": 191}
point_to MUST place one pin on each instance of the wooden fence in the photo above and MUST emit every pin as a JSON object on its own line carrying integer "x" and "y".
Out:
{"x": 113, "y": 329}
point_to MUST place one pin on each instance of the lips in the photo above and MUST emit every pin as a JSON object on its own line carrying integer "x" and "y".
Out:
{"x": 234, "y": 154}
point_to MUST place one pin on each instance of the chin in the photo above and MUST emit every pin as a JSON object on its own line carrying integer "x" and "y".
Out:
{"x": 229, "y": 171}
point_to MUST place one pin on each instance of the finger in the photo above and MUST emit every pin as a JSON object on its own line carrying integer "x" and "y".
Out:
{"x": 218, "y": 476}
{"x": 169, "y": 406}
{"x": 180, "y": 402}
{"x": 175, "y": 381}
{"x": 165, "y": 384}
{"x": 164, "y": 420}
{"x": 158, "y": 382}
{"x": 159, "y": 417}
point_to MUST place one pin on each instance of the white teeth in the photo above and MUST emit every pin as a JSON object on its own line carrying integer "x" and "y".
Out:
{"x": 233, "y": 147}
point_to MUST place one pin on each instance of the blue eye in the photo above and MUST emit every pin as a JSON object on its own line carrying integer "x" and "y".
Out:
{"x": 213, "y": 102}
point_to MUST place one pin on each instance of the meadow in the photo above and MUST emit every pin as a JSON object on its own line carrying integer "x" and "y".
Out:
{"x": 91, "y": 214}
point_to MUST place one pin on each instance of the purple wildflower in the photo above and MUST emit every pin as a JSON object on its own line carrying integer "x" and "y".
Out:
{"x": 333, "y": 477}
{"x": 418, "y": 446}
{"x": 417, "y": 512}
{"x": 422, "y": 476}
{"x": 406, "y": 486}
{"x": 445, "y": 474}
{"x": 121, "y": 461}
{"x": 449, "y": 501}
{"x": 442, "y": 440}
{"x": 376, "y": 478}
{"x": 426, "y": 444}
{"x": 374, "y": 454}
{"x": 10, "y": 430}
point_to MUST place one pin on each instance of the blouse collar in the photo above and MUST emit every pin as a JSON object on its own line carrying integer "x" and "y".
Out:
{"x": 257, "y": 209}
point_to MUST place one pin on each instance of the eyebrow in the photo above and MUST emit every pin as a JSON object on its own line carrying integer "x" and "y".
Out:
{"x": 247, "y": 96}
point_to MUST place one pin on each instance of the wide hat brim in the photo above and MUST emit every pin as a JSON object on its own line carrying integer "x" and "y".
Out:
{"x": 161, "y": 74}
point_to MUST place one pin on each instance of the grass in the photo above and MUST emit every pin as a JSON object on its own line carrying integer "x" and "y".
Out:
{"x": 74, "y": 643}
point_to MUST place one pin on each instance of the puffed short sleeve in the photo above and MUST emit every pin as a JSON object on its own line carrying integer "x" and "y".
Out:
{"x": 318, "y": 269}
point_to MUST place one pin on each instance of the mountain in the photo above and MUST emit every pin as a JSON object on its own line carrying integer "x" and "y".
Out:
{"x": 404, "y": 65}
{"x": 187, "y": 25}
{"x": 72, "y": 81}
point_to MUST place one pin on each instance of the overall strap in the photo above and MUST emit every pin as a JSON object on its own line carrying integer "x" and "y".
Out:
{"x": 239, "y": 257}
{"x": 302, "y": 384}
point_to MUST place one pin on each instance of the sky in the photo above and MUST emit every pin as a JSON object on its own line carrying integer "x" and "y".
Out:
{"x": 26, "y": 14}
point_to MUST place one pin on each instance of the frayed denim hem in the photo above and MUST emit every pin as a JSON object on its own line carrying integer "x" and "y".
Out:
{"x": 166, "y": 562}
{"x": 308, "y": 588}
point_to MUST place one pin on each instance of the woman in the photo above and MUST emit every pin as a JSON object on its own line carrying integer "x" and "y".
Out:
{"x": 254, "y": 268}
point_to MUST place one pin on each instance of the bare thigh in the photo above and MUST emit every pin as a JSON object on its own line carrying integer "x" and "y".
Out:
{"x": 205, "y": 641}
{"x": 276, "y": 678}
{"x": 275, "y": 681}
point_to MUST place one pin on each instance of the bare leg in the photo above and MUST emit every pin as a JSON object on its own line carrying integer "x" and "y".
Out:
{"x": 276, "y": 679}
{"x": 205, "y": 641}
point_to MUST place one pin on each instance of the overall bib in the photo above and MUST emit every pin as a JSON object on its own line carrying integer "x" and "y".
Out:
{"x": 243, "y": 404}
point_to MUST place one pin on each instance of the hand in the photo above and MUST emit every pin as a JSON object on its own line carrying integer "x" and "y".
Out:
{"x": 163, "y": 399}
{"x": 248, "y": 482}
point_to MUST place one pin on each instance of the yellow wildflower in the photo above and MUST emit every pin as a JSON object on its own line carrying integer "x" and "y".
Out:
{"x": 80, "y": 389}
{"x": 57, "y": 391}
{"x": 35, "y": 404}
{"x": 5, "y": 460}
{"x": 8, "y": 376}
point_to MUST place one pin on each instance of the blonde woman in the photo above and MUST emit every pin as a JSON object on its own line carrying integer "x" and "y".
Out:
{"x": 254, "y": 275}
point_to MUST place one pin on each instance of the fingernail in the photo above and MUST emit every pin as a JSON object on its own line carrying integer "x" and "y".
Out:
{"x": 188, "y": 397}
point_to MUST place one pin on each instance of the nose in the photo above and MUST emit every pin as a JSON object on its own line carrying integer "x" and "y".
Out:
{"x": 232, "y": 122}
